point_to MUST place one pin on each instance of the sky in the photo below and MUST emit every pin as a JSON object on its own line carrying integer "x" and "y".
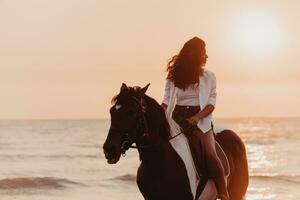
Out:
{"x": 62, "y": 59}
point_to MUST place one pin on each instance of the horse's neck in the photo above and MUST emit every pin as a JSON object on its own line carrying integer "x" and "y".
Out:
{"x": 159, "y": 147}
{"x": 155, "y": 153}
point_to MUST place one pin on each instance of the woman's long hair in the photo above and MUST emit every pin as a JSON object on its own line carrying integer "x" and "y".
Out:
{"x": 186, "y": 67}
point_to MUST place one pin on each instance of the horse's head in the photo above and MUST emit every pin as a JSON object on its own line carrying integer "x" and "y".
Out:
{"x": 127, "y": 122}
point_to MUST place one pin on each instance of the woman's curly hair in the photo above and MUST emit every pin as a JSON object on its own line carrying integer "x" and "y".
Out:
{"x": 186, "y": 67}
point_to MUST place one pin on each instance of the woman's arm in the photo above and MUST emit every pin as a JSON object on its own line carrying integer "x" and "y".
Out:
{"x": 166, "y": 97}
{"x": 213, "y": 90}
{"x": 206, "y": 111}
{"x": 201, "y": 114}
{"x": 209, "y": 108}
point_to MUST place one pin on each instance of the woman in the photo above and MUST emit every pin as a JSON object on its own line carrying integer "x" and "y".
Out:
{"x": 194, "y": 90}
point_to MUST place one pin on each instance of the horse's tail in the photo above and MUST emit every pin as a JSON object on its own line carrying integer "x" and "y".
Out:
{"x": 237, "y": 157}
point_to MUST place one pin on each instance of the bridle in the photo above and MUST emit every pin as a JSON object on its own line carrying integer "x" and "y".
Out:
{"x": 142, "y": 126}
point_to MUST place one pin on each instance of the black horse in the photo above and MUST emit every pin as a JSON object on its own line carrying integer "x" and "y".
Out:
{"x": 138, "y": 118}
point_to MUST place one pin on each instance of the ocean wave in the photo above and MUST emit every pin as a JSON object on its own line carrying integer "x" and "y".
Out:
{"x": 125, "y": 177}
{"x": 291, "y": 179}
{"x": 34, "y": 182}
{"x": 30, "y": 156}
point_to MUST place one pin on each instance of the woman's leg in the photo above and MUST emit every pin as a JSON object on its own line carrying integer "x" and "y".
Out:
{"x": 213, "y": 163}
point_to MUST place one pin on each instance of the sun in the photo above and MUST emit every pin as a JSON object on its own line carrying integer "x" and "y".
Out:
{"x": 258, "y": 33}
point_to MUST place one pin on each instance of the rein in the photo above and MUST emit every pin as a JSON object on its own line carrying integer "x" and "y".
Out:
{"x": 146, "y": 125}
{"x": 150, "y": 145}
{"x": 171, "y": 138}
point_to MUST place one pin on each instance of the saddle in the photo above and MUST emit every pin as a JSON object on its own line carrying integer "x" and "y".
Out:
{"x": 200, "y": 163}
{"x": 222, "y": 156}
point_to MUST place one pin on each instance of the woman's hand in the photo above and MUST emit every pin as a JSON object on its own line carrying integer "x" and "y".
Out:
{"x": 193, "y": 120}
{"x": 201, "y": 114}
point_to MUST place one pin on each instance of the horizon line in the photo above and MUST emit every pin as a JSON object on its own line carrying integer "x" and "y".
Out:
{"x": 104, "y": 119}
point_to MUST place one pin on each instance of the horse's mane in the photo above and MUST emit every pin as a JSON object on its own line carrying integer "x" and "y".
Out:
{"x": 155, "y": 114}
{"x": 157, "y": 117}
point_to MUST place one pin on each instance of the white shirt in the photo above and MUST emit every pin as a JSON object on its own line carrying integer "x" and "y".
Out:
{"x": 189, "y": 96}
{"x": 207, "y": 95}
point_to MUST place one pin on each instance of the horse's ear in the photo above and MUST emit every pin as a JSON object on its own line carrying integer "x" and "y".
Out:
{"x": 144, "y": 89}
{"x": 123, "y": 87}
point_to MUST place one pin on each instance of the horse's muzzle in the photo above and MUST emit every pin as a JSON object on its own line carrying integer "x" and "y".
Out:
{"x": 111, "y": 155}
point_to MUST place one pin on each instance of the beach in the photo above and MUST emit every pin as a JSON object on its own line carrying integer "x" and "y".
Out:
{"x": 63, "y": 160}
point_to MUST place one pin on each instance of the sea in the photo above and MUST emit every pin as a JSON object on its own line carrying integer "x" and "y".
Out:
{"x": 63, "y": 160}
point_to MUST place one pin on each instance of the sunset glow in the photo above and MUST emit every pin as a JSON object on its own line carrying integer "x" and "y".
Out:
{"x": 258, "y": 34}
{"x": 66, "y": 59}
